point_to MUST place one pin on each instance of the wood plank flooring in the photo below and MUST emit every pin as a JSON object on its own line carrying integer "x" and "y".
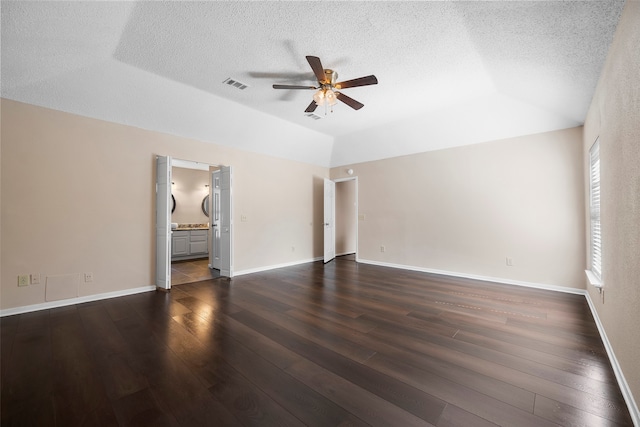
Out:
{"x": 318, "y": 345}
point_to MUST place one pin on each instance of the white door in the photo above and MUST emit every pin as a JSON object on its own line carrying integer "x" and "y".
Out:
{"x": 329, "y": 220}
{"x": 226, "y": 222}
{"x": 163, "y": 222}
{"x": 214, "y": 218}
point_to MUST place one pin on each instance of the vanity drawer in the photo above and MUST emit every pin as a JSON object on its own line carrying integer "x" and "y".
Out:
{"x": 199, "y": 235}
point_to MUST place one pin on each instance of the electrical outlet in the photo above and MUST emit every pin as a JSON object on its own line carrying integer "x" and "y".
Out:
{"x": 243, "y": 218}
{"x": 293, "y": 248}
{"x": 88, "y": 277}
{"x": 509, "y": 262}
{"x": 360, "y": 217}
{"x": 35, "y": 278}
{"x": 23, "y": 280}
{"x": 382, "y": 248}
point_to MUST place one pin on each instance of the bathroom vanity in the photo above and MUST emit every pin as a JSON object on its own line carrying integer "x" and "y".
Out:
{"x": 189, "y": 242}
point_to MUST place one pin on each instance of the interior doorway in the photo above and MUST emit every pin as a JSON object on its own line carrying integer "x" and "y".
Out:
{"x": 188, "y": 210}
{"x": 346, "y": 218}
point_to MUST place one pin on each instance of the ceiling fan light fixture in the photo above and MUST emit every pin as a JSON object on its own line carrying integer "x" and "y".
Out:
{"x": 318, "y": 97}
{"x": 325, "y": 97}
{"x": 330, "y": 97}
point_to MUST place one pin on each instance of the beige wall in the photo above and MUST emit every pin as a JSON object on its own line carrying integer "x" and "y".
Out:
{"x": 466, "y": 209}
{"x": 78, "y": 195}
{"x": 189, "y": 187}
{"x": 346, "y": 223}
{"x": 614, "y": 116}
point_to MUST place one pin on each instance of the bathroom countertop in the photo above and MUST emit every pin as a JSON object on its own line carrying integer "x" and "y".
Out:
{"x": 190, "y": 228}
{"x": 186, "y": 227}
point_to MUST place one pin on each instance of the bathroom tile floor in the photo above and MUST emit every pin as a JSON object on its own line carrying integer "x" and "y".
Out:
{"x": 190, "y": 271}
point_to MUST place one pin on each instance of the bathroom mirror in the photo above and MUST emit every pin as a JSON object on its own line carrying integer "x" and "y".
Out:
{"x": 205, "y": 205}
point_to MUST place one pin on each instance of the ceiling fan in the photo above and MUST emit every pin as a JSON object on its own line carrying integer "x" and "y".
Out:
{"x": 328, "y": 90}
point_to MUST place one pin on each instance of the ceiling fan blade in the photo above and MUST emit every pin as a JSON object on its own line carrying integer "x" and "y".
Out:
{"x": 349, "y": 101}
{"x": 293, "y": 87}
{"x": 362, "y": 81}
{"x": 312, "y": 107}
{"x": 317, "y": 68}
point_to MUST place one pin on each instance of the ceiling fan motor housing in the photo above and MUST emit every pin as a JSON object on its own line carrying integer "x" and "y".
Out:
{"x": 330, "y": 77}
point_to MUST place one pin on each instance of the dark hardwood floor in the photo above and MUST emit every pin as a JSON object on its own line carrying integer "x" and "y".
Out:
{"x": 320, "y": 345}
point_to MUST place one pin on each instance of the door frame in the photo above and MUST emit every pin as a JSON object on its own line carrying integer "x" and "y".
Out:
{"x": 163, "y": 207}
{"x": 164, "y": 257}
{"x": 357, "y": 209}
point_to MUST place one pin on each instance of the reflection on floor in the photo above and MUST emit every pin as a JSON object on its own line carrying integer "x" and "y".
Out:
{"x": 193, "y": 270}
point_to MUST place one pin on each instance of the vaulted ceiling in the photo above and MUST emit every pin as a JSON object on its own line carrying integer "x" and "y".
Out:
{"x": 450, "y": 73}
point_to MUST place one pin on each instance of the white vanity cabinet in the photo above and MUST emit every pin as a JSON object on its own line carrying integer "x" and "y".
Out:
{"x": 198, "y": 244}
{"x": 186, "y": 244}
{"x": 180, "y": 243}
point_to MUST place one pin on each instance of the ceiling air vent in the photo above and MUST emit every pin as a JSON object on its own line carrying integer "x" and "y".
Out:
{"x": 313, "y": 116}
{"x": 235, "y": 83}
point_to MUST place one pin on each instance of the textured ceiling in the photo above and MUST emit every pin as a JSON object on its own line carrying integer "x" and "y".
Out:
{"x": 522, "y": 67}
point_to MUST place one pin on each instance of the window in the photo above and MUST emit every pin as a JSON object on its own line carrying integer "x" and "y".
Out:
{"x": 595, "y": 242}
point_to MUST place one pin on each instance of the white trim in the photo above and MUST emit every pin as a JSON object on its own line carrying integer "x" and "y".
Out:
{"x": 72, "y": 301}
{"x": 273, "y": 267}
{"x": 477, "y": 277}
{"x": 593, "y": 279}
{"x": 189, "y": 164}
{"x": 617, "y": 370}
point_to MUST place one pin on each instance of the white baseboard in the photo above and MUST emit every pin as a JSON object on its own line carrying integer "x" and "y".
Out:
{"x": 617, "y": 370}
{"x": 477, "y": 277}
{"x": 273, "y": 267}
{"x": 72, "y": 301}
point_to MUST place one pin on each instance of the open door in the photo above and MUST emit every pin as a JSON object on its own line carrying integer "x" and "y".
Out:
{"x": 163, "y": 222}
{"x": 329, "y": 220}
{"x": 226, "y": 222}
{"x": 214, "y": 218}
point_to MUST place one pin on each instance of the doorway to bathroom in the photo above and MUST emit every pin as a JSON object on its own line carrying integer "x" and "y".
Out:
{"x": 193, "y": 222}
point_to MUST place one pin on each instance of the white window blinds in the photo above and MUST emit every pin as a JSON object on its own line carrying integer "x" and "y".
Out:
{"x": 594, "y": 204}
